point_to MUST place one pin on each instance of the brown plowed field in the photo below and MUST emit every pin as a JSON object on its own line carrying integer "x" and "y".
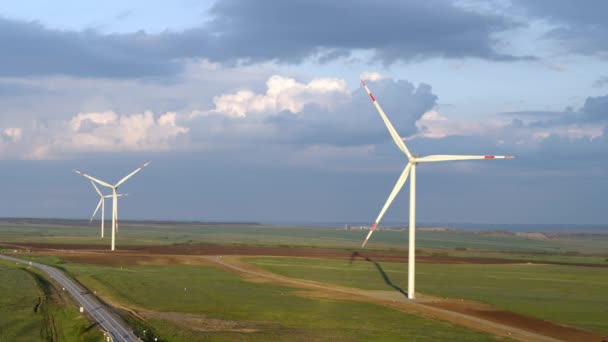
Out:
{"x": 311, "y": 252}
{"x": 522, "y": 322}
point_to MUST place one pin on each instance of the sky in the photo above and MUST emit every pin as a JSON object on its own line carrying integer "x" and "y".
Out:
{"x": 253, "y": 110}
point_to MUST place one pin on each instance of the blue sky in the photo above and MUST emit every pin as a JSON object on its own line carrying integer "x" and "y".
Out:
{"x": 252, "y": 110}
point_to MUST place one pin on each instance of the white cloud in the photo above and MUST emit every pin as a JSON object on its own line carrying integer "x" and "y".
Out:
{"x": 94, "y": 132}
{"x": 434, "y": 125}
{"x": 136, "y": 132}
{"x": 12, "y": 134}
{"x": 101, "y": 119}
{"x": 371, "y": 76}
{"x": 283, "y": 94}
{"x": 570, "y": 131}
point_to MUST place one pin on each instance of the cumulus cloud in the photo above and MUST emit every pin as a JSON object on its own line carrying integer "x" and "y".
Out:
{"x": 93, "y": 132}
{"x": 136, "y": 132}
{"x": 283, "y": 94}
{"x": 321, "y": 112}
{"x": 371, "y": 76}
{"x": 99, "y": 119}
{"x": 12, "y": 134}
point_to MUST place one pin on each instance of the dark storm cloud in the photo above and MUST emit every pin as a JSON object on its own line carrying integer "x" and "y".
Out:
{"x": 30, "y": 49}
{"x": 593, "y": 111}
{"x": 395, "y": 30}
{"x": 596, "y": 108}
{"x": 581, "y": 26}
{"x": 257, "y": 31}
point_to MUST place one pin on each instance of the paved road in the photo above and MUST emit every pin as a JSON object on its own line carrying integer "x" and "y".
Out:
{"x": 99, "y": 313}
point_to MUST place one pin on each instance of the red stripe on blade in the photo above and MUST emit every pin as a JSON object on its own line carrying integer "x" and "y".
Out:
{"x": 374, "y": 227}
{"x": 489, "y": 157}
{"x": 363, "y": 83}
{"x": 372, "y": 97}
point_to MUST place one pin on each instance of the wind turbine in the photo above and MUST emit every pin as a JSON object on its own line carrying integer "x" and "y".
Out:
{"x": 410, "y": 169}
{"x": 114, "y": 196}
{"x": 102, "y": 204}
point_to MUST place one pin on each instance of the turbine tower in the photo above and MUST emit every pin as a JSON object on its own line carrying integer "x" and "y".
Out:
{"x": 410, "y": 170}
{"x": 114, "y": 196}
{"x": 102, "y": 204}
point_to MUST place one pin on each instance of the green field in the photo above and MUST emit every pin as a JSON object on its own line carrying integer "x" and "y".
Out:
{"x": 567, "y": 294}
{"x": 146, "y": 233}
{"x": 201, "y": 303}
{"x": 268, "y": 312}
{"x": 30, "y": 311}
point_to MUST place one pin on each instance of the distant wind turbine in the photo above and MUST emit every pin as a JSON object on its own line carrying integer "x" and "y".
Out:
{"x": 114, "y": 196}
{"x": 102, "y": 204}
{"x": 410, "y": 169}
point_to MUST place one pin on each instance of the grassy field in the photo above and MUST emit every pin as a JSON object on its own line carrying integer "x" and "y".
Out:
{"x": 571, "y": 257}
{"x": 30, "y": 311}
{"x": 200, "y": 303}
{"x": 133, "y": 233}
{"x": 571, "y": 295}
{"x": 220, "y": 306}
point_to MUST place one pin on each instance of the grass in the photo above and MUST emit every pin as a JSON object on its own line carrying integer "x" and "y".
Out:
{"x": 565, "y": 257}
{"x": 133, "y": 233}
{"x": 271, "y": 312}
{"x": 571, "y": 295}
{"x": 17, "y": 315}
{"x": 567, "y": 294}
{"x": 30, "y": 310}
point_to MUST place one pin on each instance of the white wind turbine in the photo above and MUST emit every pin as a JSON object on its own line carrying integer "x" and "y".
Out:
{"x": 114, "y": 196}
{"x": 410, "y": 169}
{"x": 102, "y": 204}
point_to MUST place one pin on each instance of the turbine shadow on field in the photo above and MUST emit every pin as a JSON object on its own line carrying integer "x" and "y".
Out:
{"x": 385, "y": 277}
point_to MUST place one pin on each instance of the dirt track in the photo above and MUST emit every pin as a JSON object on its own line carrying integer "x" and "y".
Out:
{"x": 471, "y": 314}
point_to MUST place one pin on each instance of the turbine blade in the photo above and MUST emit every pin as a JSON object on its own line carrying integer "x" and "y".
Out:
{"x": 390, "y": 199}
{"x": 388, "y": 124}
{"x": 93, "y": 179}
{"x": 96, "y": 188}
{"x": 447, "y": 157}
{"x": 95, "y": 212}
{"x": 131, "y": 174}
